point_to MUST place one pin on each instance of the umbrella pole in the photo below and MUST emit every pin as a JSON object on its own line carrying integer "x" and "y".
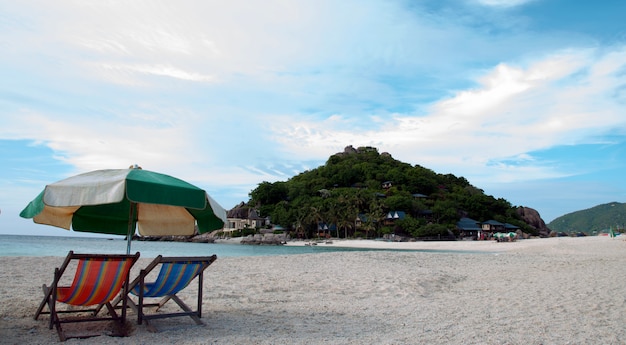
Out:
{"x": 131, "y": 226}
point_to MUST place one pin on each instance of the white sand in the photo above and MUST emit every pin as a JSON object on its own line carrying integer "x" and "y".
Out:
{"x": 539, "y": 291}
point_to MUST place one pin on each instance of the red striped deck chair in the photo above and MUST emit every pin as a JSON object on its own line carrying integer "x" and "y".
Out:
{"x": 98, "y": 279}
{"x": 175, "y": 274}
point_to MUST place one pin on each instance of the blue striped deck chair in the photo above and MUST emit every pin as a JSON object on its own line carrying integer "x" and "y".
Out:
{"x": 175, "y": 274}
{"x": 98, "y": 279}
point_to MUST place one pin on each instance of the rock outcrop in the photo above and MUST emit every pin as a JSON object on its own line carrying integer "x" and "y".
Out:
{"x": 271, "y": 239}
{"x": 204, "y": 238}
{"x": 532, "y": 218}
{"x": 350, "y": 150}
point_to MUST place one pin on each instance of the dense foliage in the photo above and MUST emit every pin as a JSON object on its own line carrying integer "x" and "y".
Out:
{"x": 347, "y": 194}
{"x": 593, "y": 220}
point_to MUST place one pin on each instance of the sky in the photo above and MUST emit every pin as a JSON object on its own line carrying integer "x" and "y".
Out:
{"x": 526, "y": 99}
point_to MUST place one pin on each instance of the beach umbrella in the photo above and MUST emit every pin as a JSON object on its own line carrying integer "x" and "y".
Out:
{"x": 118, "y": 201}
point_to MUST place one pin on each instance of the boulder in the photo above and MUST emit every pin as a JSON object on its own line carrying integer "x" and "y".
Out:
{"x": 204, "y": 238}
{"x": 266, "y": 239}
{"x": 531, "y": 217}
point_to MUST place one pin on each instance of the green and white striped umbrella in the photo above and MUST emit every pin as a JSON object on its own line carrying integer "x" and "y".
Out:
{"x": 116, "y": 201}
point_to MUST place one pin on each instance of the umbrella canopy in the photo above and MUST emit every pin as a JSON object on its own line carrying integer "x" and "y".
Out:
{"x": 115, "y": 201}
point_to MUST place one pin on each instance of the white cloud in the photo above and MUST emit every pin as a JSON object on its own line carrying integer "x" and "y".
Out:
{"x": 512, "y": 111}
{"x": 503, "y": 3}
{"x": 157, "y": 70}
{"x": 244, "y": 91}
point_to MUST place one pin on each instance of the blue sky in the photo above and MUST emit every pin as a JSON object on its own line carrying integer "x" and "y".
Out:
{"x": 524, "y": 98}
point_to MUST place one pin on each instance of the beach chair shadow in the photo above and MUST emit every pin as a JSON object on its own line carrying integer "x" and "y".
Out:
{"x": 98, "y": 279}
{"x": 175, "y": 274}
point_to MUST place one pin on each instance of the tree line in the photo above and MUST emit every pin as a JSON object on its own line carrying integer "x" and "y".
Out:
{"x": 348, "y": 193}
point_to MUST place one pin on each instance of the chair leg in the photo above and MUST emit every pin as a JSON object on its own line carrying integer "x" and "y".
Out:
{"x": 52, "y": 302}
{"x": 163, "y": 301}
{"x": 60, "y": 332}
{"x": 114, "y": 303}
{"x": 57, "y": 325}
{"x": 141, "y": 282}
{"x": 183, "y": 306}
{"x": 200, "y": 280}
{"x": 112, "y": 312}
{"x": 132, "y": 305}
{"x": 54, "y": 317}
{"x": 46, "y": 300}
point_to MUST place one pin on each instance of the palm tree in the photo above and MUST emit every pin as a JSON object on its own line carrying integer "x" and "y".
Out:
{"x": 357, "y": 203}
{"x": 368, "y": 226}
{"x": 376, "y": 214}
{"x": 345, "y": 222}
{"x": 315, "y": 216}
{"x": 299, "y": 224}
{"x": 333, "y": 215}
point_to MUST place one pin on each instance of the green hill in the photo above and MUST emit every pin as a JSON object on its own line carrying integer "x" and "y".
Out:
{"x": 593, "y": 220}
{"x": 355, "y": 191}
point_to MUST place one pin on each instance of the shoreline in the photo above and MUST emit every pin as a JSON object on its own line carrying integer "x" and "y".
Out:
{"x": 465, "y": 246}
{"x": 417, "y": 245}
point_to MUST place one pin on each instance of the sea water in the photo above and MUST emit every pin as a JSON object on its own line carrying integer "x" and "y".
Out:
{"x": 18, "y": 245}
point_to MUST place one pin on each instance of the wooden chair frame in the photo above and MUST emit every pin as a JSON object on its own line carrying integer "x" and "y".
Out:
{"x": 138, "y": 286}
{"x": 51, "y": 293}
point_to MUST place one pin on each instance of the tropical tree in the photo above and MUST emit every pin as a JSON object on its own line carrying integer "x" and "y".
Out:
{"x": 350, "y": 183}
{"x": 315, "y": 216}
{"x": 299, "y": 225}
{"x": 333, "y": 215}
{"x": 345, "y": 221}
{"x": 375, "y": 215}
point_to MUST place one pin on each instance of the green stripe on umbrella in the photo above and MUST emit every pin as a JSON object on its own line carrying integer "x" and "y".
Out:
{"x": 116, "y": 201}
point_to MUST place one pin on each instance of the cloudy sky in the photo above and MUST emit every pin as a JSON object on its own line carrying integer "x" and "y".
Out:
{"x": 524, "y": 98}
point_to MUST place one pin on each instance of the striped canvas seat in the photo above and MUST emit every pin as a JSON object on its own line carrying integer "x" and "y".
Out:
{"x": 99, "y": 278}
{"x": 175, "y": 274}
{"x": 173, "y": 277}
{"x": 97, "y": 281}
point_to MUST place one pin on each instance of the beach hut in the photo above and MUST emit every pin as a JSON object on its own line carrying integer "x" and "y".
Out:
{"x": 490, "y": 227}
{"x": 469, "y": 229}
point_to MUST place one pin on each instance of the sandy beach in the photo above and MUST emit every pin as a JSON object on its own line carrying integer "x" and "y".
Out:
{"x": 537, "y": 291}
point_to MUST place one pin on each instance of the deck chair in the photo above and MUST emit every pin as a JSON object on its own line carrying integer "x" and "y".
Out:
{"x": 98, "y": 279}
{"x": 175, "y": 274}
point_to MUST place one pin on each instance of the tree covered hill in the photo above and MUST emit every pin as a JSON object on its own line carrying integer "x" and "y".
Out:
{"x": 592, "y": 220}
{"x": 355, "y": 191}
